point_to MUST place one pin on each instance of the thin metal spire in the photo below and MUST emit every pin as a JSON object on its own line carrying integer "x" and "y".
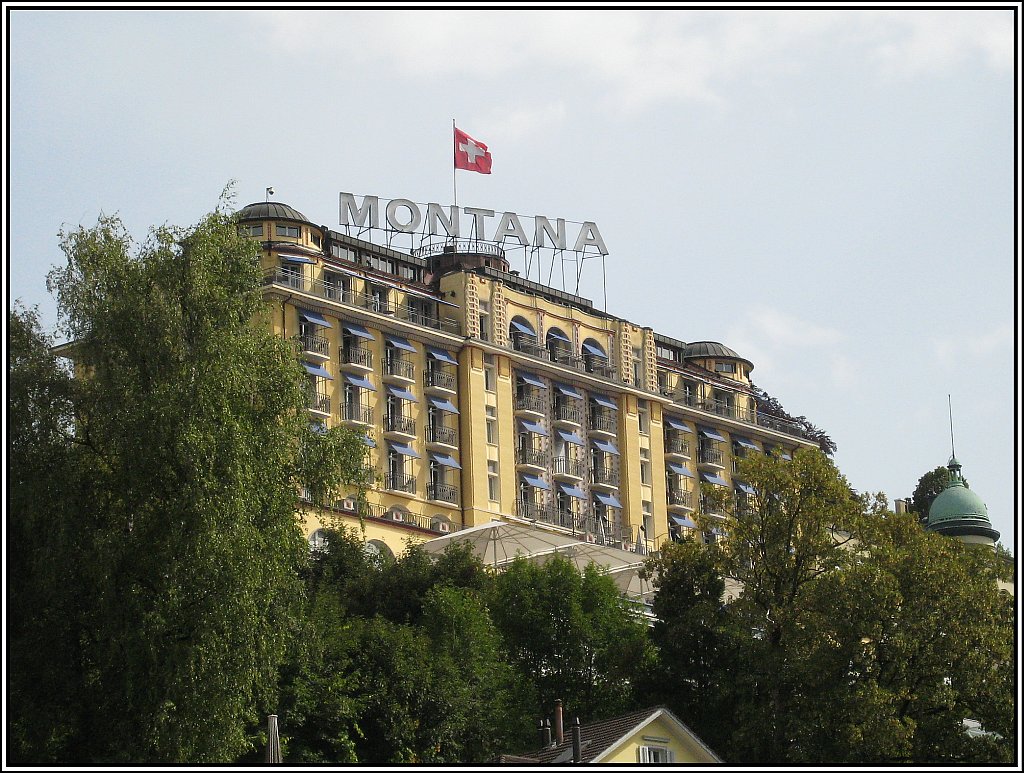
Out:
{"x": 952, "y": 447}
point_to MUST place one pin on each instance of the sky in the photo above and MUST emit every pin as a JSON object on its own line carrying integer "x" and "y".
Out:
{"x": 829, "y": 192}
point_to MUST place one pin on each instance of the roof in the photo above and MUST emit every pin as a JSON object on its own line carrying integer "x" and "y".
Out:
{"x": 710, "y": 349}
{"x": 271, "y": 210}
{"x": 958, "y": 510}
{"x": 596, "y": 738}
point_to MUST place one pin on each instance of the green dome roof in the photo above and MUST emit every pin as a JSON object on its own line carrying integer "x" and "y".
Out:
{"x": 958, "y": 511}
{"x": 270, "y": 210}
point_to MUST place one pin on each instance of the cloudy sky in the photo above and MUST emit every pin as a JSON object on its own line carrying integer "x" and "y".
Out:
{"x": 830, "y": 193}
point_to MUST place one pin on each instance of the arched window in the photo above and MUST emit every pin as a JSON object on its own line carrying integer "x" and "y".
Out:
{"x": 558, "y": 344}
{"x": 523, "y": 335}
{"x": 318, "y": 540}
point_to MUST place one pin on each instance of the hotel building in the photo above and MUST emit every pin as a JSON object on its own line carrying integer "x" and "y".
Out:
{"x": 484, "y": 396}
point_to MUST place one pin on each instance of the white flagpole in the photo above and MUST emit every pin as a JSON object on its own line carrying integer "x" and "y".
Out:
{"x": 455, "y": 189}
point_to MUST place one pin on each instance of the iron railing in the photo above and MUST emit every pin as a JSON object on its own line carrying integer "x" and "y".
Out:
{"x": 442, "y": 492}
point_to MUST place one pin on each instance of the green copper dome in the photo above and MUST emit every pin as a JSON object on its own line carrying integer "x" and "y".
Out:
{"x": 958, "y": 511}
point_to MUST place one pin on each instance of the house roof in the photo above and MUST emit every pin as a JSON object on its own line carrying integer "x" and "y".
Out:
{"x": 596, "y": 738}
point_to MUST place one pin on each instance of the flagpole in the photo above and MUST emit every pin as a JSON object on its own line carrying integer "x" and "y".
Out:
{"x": 455, "y": 189}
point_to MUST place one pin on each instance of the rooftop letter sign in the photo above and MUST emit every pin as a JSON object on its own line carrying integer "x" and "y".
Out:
{"x": 406, "y": 216}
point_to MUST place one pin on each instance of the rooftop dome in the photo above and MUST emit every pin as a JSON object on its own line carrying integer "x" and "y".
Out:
{"x": 958, "y": 511}
{"x": 710, "y": 349}
{"x": 271, "y": 210}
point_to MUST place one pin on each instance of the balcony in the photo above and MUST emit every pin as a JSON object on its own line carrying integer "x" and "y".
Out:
{"x": 400, "y": 368}
{"x": 315, "y": 345}
{"x": 568, "y": 412}
{"x": 528, "y": 345}
{"x": 535, "y": 511}
{"x": 355, "y": 412}
{"x": 599, "y": 366}
{"x": 605, "y": 422}
{"x": 435, "y": 378}
{"x": 676, "y": 446}
{"x": 399, "y": 481}
{"x": 357, "y": 356}
{"x": 283, "y": 277}
{"x": 320, "y": 403}
{"x": 531, "y": 457}
{"x": 604, "y": 475}
{"x": 569, "y": 519}
{"x": 400, "y": 424}
{"x": 708, "y": 508}
{"x": 566, "y": 357}
{"x": 680, "y": 498}
{"x": 564, "y": 467}
{"x": 532, "y": 402}
{"x": 711, "y": 457}
{"x": 442, "y": 492}
{"x": 440, "y": 434}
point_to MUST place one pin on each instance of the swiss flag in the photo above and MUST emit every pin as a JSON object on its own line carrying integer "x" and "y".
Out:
{"x": 470, "y": 154}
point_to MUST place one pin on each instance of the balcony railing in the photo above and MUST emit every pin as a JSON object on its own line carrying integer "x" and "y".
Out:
{"x": 442, "y": 492}
{"x": 441, "y": 434}
{"x": 569, "y": 412}
{"x": 399, "y": 481}
{"x": 315, "y": 344}
{"x": 566, "y": 357}
{"x": 563, "y": 465}
{"x": 599, "y": 366}
{"x": 399, "y": 423}
{"x": 676, "y": 445}
{"x": 357, "y": 355}
{"x": 536, "y": 511}
{"x": 533, "y": 456}
{"x": 434, "y": 377}
{"x": 399, "y": 366}
{"x": 357, "y": 412}
{"x": 530, "y": 401}
{"x": 680, "y": 497}
{"x": 334, "y": 292}
{"x": 603, "y": 421}
{"x": 528, "y": 345}
{"x": 320, "y": 403}
{"x": 604, "y": 475}
{"x": 712, "y": 456}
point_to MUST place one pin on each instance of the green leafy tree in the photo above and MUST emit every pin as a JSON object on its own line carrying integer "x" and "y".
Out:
{"x": 929, "y": 486}
{"x": 178, "y": 545}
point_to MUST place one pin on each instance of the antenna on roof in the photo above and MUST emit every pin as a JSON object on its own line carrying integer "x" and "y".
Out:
{"x": 270, "y": 192}
{"x": 952, "y": 448}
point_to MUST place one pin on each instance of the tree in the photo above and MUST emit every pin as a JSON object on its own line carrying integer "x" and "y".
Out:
{"x": 929, "y": 486}
{"x": 175, "y": 544}
{"x": 770, "y": 406}
{"x": 855, "y": 636}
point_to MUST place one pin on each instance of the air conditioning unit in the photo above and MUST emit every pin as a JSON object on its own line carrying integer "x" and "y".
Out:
{"x": 444, "y": 527}
{"x": 348, "y": 505}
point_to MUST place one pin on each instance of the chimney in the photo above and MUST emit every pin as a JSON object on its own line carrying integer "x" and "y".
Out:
{"x": 544, "y": 726}
{"x": 577, "y": 746}
{"x": 558, "y": 721}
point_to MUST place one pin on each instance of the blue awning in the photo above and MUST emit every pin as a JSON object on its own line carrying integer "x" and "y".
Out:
{"x": 404, "y": 450}
{"x": 572, "y": 491}
{"x": 785, "y": 456}
{"x": 312, "y": 316}
{"x": 443, "y": 405}
{"x": 709, "y": 478}
{"x": 318, "y": 427}
{"x": 558, "y": 335}
{"x": 368, "y": 441}
{"x": 682, "y": 520}
{"x": 744, "y": 487}
{"x": 710, "y": 433}
{"x": 522, "y": 328}
{"x": 401, "y": 343}
{"x": 605, "y": 402}
{"x": 678, "y": 424}
{"x": 531, "y": 379}
{"x": 746, "y": 443}
{"x": 537, "y": 482}
{"x": 446, "y": 460}
{"x": 535, "y": 428}
{"x": 442, "y": 355}
{"x": 590, "y": 348}
{"x": 295, "y": 258}
{"x": 604, "y": 445}
{"x": 680, "y": 469}
{"x": 569, "y": 391}
{"x": 570, "y": 437}
{"x": 607, "y": 499}
{"x": 317, "y": 370}
{"x": 358, "y": 330}
{"x": 359, "y": 381}
{"x": 402, "y": 394}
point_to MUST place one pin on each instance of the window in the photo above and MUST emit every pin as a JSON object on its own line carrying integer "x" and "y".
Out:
{"x": 379, "y": 298}
{"x": 485, "y": 320}
{"x": 380, "y": 264}
{"x": 288, "y": 230}
{"x": 334, "y": 286}
{"x": 411, "y": 273}
{"x": 490, "y": 373}
{"x": 645, "y": 466}
{"x": 644, "y": 414}
{"x": 342, "y": 252}
{"x": 666, "y": 353}
{"x": 638, "y": 366}
{"x": 252, "y": 230}
{"x": 315, "y": 239}
{"x": 492, "y": 425}
{"x": 655, "y": 754}
{"x": 725, "y": 367}
{"x": 493, "y": 487}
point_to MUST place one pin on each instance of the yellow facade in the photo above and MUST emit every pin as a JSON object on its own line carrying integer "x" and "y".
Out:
{"x": 485, "y": 396}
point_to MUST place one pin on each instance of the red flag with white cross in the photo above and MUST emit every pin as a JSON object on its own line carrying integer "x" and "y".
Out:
{"x": 471, "y": 154}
